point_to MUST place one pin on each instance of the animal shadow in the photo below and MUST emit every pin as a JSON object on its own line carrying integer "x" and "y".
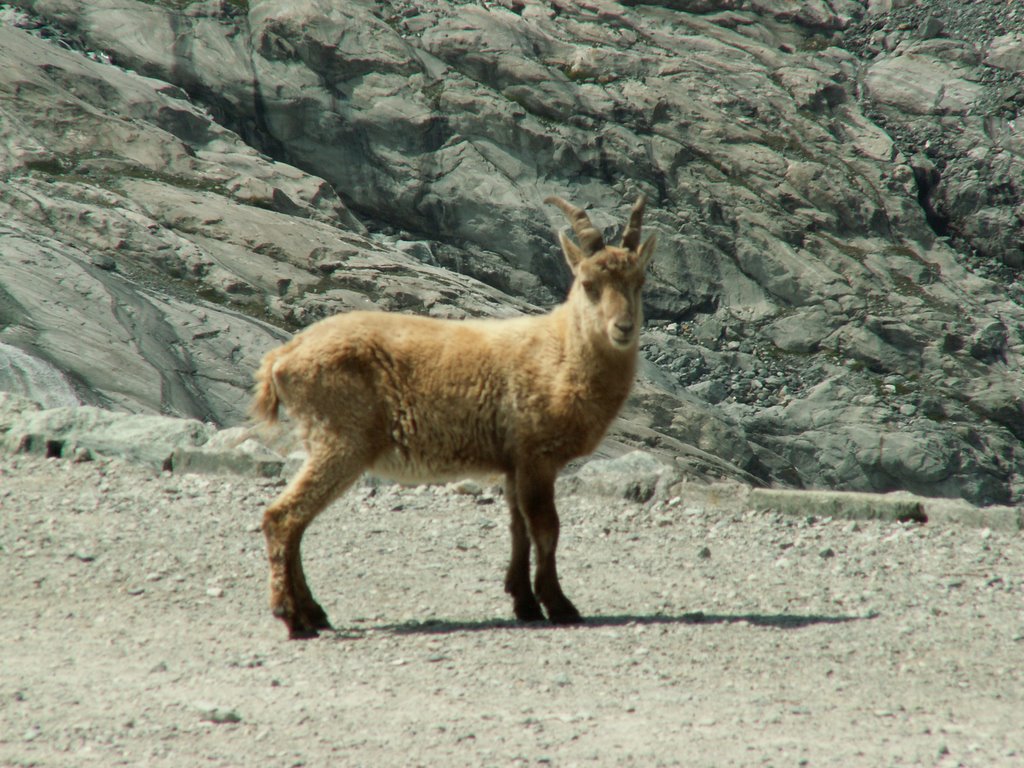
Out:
{"x": 769, "y": 620}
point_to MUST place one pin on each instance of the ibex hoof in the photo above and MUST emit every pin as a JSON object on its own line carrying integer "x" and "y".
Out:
{"x": 302, "y": 633}
{"x": 566, "y": 617}
{"x": 529, "y": 611}
{"x": 303, "y": 626}
{"x": 316, "y": 617}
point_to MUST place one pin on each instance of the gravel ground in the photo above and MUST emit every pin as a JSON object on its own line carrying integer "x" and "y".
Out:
{"x": 134, "y": 632}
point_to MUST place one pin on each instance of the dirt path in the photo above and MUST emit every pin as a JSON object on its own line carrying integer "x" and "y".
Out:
{"x": 134, "y": 632}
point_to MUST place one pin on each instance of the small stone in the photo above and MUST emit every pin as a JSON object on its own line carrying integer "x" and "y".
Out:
{"x": 704, "y": 553}
{"x": 930, "y": 27}
{"x": 215, "y": 592}
{"x": 466, "y": 488}
{"x": 213, "y": 713}
{"x": 827, "y": 553}
{"x": 104, "y": 262}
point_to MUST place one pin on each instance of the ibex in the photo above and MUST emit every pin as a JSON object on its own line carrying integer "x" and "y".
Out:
{"x": 419, "y": 399}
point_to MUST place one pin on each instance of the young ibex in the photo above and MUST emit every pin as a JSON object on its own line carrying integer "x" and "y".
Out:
{"x": 418, "y": 399}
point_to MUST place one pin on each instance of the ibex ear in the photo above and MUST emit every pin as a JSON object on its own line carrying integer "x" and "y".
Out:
{"x": 647, "y": 251}
{"x": 573, "y": 254}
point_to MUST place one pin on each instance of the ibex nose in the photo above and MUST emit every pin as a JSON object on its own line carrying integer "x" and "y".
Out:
{"x": 625, "y": 327}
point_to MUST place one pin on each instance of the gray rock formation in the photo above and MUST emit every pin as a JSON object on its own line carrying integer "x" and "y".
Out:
{"x": 147, "y": 250}
{"x": 85, "y": 432}
{"x": 835, "y": 186}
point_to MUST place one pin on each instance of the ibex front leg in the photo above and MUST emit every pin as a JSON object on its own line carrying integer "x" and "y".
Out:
{"x": 535, "y": 495}
{"x": 517, "y": 578}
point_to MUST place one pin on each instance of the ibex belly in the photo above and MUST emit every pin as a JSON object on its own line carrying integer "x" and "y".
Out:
{"x": 441, "y": 450}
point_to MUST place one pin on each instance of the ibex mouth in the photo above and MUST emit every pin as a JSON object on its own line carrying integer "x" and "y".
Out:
{"x": 622, "y": 334}
{"x": 622, "y": 340}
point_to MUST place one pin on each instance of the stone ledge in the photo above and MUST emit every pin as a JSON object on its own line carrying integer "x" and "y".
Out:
{"x": 232, "y": 462}
{"x": 849, "y": 505}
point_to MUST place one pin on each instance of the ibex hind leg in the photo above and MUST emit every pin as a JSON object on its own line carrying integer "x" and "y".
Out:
{"x": 311, "y": 617}
{"x": 324, "y": 476}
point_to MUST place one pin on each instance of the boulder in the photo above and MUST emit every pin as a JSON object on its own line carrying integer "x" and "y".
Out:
{"x": 64, "y": 432}
{"x": 1006, "y": 52}
{"x": 921, "y": 84}
{"x": 636, "y": 476}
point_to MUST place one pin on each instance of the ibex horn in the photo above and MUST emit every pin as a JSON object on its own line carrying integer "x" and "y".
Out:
{"x": 590, "y": 239}
{"x": 631, "y": 235}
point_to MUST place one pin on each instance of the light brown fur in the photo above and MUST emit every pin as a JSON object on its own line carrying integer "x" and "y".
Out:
{"x": 418, "y": 399}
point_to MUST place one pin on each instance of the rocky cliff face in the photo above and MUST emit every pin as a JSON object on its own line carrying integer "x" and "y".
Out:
{"x": 835, "y": 186}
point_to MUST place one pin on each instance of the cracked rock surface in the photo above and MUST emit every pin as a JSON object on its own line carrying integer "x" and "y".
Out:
{"x": 835, "y": 185}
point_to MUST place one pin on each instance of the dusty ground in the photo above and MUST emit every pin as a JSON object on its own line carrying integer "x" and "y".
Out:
{"x": 134, "y": 632}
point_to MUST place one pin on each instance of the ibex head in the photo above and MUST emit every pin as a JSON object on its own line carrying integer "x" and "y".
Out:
{"x": 608, "y": 279}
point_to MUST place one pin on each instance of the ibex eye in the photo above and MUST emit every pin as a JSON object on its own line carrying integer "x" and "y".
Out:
{"x": 590, "y": 287}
